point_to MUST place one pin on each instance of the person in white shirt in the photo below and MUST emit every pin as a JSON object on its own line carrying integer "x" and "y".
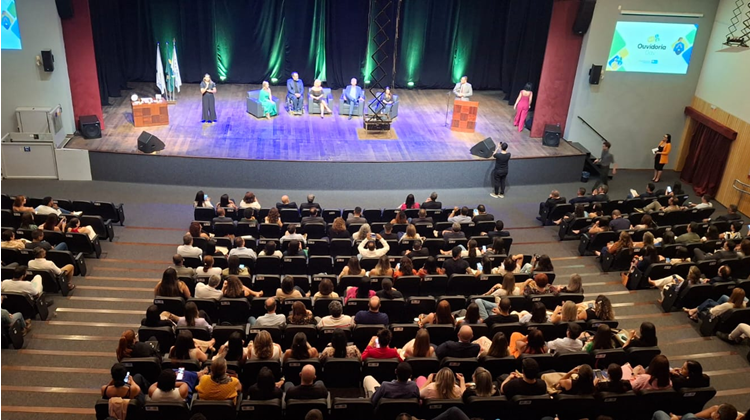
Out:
{"x": 187, "y": 249}
{"x": 335, "y": 319}
{"x": 704, "y": 204}
{"x": 41, "y": 263}
{"x": 209, "y": 291}
{"x": 291, "y": 234}
{"x": 19, "y": 284}
{"x": 208, "y": 268}
{"x": 240, "y": 250}
{"x": 570, "y": 343}
{"x": 460, "y": 215}
{"x": 271, "y": 318}
{"x": 368, "y": 249}
{"x": 50, "y": 207}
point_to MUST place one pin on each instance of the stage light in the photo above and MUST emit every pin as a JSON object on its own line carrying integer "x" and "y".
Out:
{"x": 274, "y": 80}
{"x": 222, "y": 78}
{"x": 367, "y": 82}
{"x": 410, "y": 84}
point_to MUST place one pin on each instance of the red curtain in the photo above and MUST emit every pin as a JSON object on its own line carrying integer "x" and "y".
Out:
{"x": 706, "y": 160}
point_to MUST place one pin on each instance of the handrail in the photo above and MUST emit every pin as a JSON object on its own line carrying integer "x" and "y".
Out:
{"x": 740, "y": 189}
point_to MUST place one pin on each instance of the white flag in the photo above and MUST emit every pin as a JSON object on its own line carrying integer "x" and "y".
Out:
{"x": 160, "y": 82}
{"x": 175, "y": 68}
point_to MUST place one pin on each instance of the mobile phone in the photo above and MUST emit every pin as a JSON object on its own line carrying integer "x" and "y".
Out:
{"x": 605, "y": 374}
{"x": 242, "y": 266}
{"x": 476, "y": 212}
{"x": 373, "y": 235}
{"x": 479, "y": 266}
{"x": 591, "y": 306}
{"x": 127, "y": 377}
{"x": 669, "y": 260}
{"x": 398, "y": 266}
{"x": 377, "y": 343}
{"x": 484, "y": 248}
{"x": 669, "y": 190}
{"x": 205, "y": 196}
{"x": 180, "y": 373}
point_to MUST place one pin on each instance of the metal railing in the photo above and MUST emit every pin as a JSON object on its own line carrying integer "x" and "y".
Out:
{"x": 743, "y": 188}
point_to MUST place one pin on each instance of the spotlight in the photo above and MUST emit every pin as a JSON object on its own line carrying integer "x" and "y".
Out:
{"x": 367, "y": 82}
{"x": 222, "y": 78}
{"x": 274, "y": 80}
{"x": 410, "y": 84}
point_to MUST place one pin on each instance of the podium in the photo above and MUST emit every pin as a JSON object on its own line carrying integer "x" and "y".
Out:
{"x": 150, "y": 114}
{"x": 464, "y": 116}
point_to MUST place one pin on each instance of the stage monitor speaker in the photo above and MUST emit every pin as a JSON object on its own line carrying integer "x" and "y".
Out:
{"x": 64, "y": 8}
{"x": 595, "y": 74}
{"x": 484, "y": 149}
{"x": 148, "y": 143}
{"x": 583, "y": 18}
{"x": 48, "y": 60}
{"x": 552, "y": 134}
{"x": 90, "y": 126}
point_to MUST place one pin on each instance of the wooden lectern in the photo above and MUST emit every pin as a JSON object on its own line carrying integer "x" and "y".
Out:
{"x": 150, "y": 114}
{"x": 464, "y": 116}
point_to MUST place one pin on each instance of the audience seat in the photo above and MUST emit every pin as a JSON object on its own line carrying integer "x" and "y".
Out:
{"x": 618, "y": 406}
{"x": 533, "y": 407}
{"x": 28, "y": 307}
{"x": 291, "y": 330}
{"x": 383, "y": 370}
{"x": 252, "y": 367}
{"x": 234, "y": 310}
{"x": 293, "y": 367}
{"x": 574, "y": 407}
{"x": 101, "y": 408}
{"x": 148, "y": 367}
{"x": 692, "y": 400}
{"x": 463, "y": 365}
{"x": 266, "y": 282}
{"x": 390, "y": 408}
{"x": 603, "y": 358}
{"x": 166, "y": 410}
{"x": 174, "y": 305}
{"x": 642, "y": 355}
{"x": 254, "y": 409}
{"x": 352, "y": 408}
{"x": 486, "y": 407}
{"x": 431, "y": 408}
{"x": 342, "y": 373}
{"x": 214, "y": 410}
{"x": 423, "y": 366}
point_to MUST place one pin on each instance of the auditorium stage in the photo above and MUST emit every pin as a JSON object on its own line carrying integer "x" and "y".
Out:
{"x": 423, "y": 143}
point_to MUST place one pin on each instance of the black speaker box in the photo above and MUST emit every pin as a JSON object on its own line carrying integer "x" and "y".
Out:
{"x": 595, "y": 74}
{"x": 90, "y": 126}
{"x": 583, "y": 18}
{"x": 64, "y": 8}
{"x": 148, "y": 143}
{"x": 484, "y": 149}
{"x": 552, "y": 134}
{"x": 48, "y": 60}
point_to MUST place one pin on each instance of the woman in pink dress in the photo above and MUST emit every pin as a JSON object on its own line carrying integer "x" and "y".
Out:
{"x": 522, "y": 105}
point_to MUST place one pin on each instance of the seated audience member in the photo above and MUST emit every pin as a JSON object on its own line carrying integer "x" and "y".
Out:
{"x": 539, "y": 285}
{"x": 379, "y": 347}
{"x": 202, "y": 200}
{"x": 288, "y": 290}
{"x": 647, "y": 222}
{"x": 129, "y": 346}
{"x": 570, "y": 343}
{"x": 171, "y": 286}
{"x": 355, "y": 217}
{"x": 716, "y": 412}
{"x": 744, "y": 247}
{"x": 506, "y": 288}
{"x": 482, "y": 385}
{"x": 645, "y": 338}
{"x": 262, "y": 347}
{"x": 387, "y": 291}
{"x": 601, "y": 340}
{"x": 209, "y": 291}
{"x": 179, "y": 267}
{"x": 409, "y": 203}
{"x": 498, "y": 232}
{"x": 456, "y": 265}
{"x": 168, "y": 388}
{"x": 221, "y": 216}
{"x": 27, "y": 221}
{"x": 615, "y": 384}
{"x": 432, "y": 203}
{"x": 411, "y": 234}
{"x": 538, "y": 314}
{"x": 420, "y": 345}
{"x": 656, "y": 206}
{"x": 651, "y": 192}
{"x": 733, "y": 233}
{"x": 482, "y": 215}
{"x": 294, "y": 249}
{"x": 325, "y": 290}
{"x": 499, "y": 314}
{"x": 724, "y": 274}
{"x": 363, "y": 234}
{"x": 400, "y": 219}
{"x": 442, "y": 385}
{"x": 575, "y": 285}
{"x": 335, "y": 319}
{"x": 50, "y": 207}
{"x": 538, "y": 263}
{"x": 9, "y": 319}
{"x": 741, "y": 332}
{"x": 248, "y": 216}
{"x": 461, "y": 348}
{"x": 19, "y": 205}
{"x": 422, "y": 217}
{"x": 187, "y": 249}
{"x": 301, "y": 315}
{"x": 656, "y": 376}
{"x": 372, "y": 315}
{"x": 525, "y": 383}
{"x": 184, "y": 348}
{"x": 388, "y": 234}
{"x": 442, "y": 315}
{"x": 726, "y": 252}
{"x": 37, "y": 241}
{"x": 314, "y": 216}
{"x": 600, "y": 194}
{"x": 717, "y": 307}
{"x": 600, "y": 224}
{"x": 382, "y": 268}
{"x": 218, "y": 385}
{"x": 291, "y": 234}
{"x": 430, "y": 268}
{"x": 704, "y": 204}
{"x": 338, "y": 229}
{"x": 270, "y": 318}
{"x": 269, "y": 250}
{"x": 352, "y": 268}
{"x": 266, "y": 388}
{"x": 601, "y": 310}
{"x": 623, "y": 242}
{"x": 404, "y": 268}
{"x": 233, "y": 350}
{"x": 618, "y": 222}
{"x": 18, "y": 284}
{"x": 308, "y": 389}
{"x": 368, "y": 248}
{"x": 497, "y": 347}
{"x": 300, "y": 349}
{"x": 731, "y": 216}
{"x": 118, "y": 387}
{"x": 240, "y": 250}
{"x": 273, "y": 217}
{"x": 153, "y": 318}
{"x": 400, "y": 388}
{"x": 554, "y": 199}
{"x": 362, "y": 291}
{"x": 511, "y": 264}
{"x": 690, "y": 236}
{"x": 310, "y": 204}
{"x": 339, "y": 348}
{"x": 9, "y": 240}
{"x": 233, "y": 268}
{"x": 208, "y": 268}
{"x": 285, "y": 203}
{"x": 454, "y": 232}
{"x": 689, "y": 375}
{"x": 693, "y": 277}
{"x": 40, "y": 262}
{"x": 582, "y": 385}
{"x": 471, "y": 316}
{"x": 196, "y": 231}
{"x": 250, "y": 201}
{"x": 192, "y": 318}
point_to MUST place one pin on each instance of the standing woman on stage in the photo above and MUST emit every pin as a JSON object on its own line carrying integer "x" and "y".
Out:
{"x": 522, "y": 105}
{"x": 501, "y": 171}
{"x": 208, "y": 89}
{"x": 661, "y": 157}
{"x": 266, "y": 100}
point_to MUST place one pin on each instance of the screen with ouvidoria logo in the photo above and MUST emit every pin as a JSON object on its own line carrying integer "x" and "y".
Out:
{"x": 652, "y": 47}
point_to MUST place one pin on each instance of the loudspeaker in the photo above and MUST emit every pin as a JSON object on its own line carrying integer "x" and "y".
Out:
{"x": 64, "y": 8}
{"x": 484, "y": 149}
{"x": 583, "y": 18}
{"x": 48, "y": 60}
{"x": 90, "y": 126}
{"x": 552, "y": 134}
{"x": 148, "y": 143}
{"x": 595, "y": 74}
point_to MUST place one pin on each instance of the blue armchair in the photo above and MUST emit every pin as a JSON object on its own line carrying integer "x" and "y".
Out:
{"x": 313, "y": 108}
{"x": 253, "y": 104}
{"x": 394, "y": 107}
{"x": 344, "y": 107}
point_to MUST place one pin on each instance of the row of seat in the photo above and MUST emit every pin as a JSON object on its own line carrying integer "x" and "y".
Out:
{"x": 290, "y": 215}
{"x": 102, "y": 227}
{"x": 107, "y": 210}
{"x": 76, "y": 242}
{"x": 568, "y": 226}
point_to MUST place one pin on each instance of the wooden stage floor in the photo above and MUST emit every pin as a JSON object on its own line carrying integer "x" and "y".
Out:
{"x": 420, "y": 128}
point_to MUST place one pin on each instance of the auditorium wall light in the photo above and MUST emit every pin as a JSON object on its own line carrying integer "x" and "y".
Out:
{"x": 410, "y": 84}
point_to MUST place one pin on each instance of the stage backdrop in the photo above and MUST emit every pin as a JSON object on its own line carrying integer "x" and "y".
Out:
{"x": 499, "y": 44}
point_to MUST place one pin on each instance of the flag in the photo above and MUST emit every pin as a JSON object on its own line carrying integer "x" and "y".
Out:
{"x": 159, "y": 71}
{"x": 175, "y": 68}
{"x": 170, "y": 79}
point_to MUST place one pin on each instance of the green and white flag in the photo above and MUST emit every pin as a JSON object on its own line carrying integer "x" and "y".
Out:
{"x": 175, "y": 68}
{"x": 170, "y": 79}
{"x": 160, "y": 83}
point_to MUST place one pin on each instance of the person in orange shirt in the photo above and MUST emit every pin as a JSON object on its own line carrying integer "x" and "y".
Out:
{"x": 661, "y": 157}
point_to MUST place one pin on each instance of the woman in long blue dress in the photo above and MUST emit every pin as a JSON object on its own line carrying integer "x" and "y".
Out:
{"x": 208, "y": 88}
{"x": 266, "y": 100}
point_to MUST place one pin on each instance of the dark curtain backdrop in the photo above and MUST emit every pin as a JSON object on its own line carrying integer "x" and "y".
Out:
{"x": 706, "y": 160}
{"x": 498, "y": 44}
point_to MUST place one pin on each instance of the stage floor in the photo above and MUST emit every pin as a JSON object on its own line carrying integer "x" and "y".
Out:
{"x": 420, "y": 129}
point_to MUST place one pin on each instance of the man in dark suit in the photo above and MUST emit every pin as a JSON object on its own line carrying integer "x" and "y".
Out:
{"x": 600, "y": 194}
{"x": 422, "y": 217}
{"x": 499, "y": 226}
{"x": 285, "y": 203}
{"x": 353, "y": 95}
{"x": 432, "y": 203}
{"x": 314, "y": 217}
{"x": 554, "y": 199}
{"x": 618, "y": 222}
{"x": 731, "y": 216}
{"x": 355, "y": 217}
{"x": 461, "y": 348}
{"x": 727, "y": 251}
{"x": 482, "y": 215}
{"x": 581, "y": 197}
{"x": 310, "y": 203}
{"x": 221, "y": 217}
